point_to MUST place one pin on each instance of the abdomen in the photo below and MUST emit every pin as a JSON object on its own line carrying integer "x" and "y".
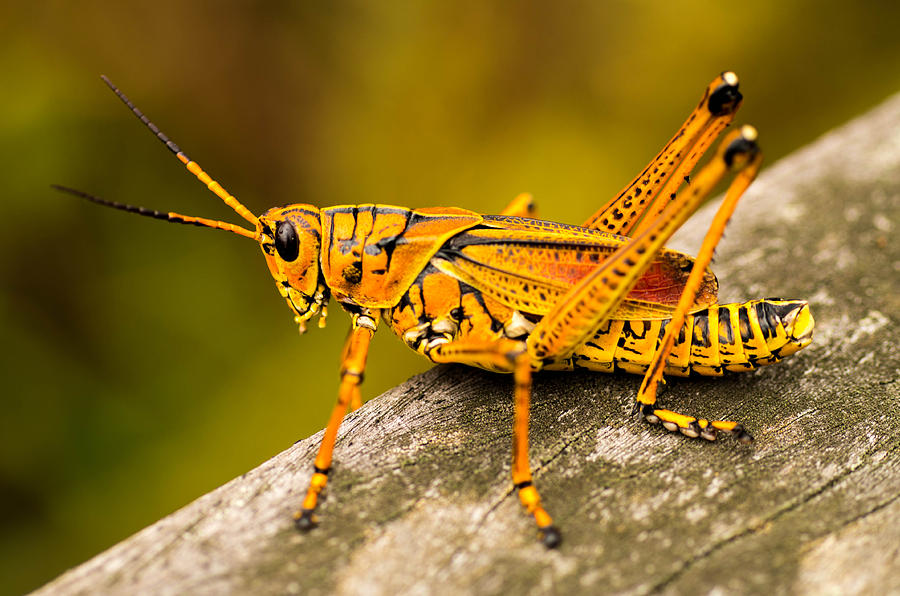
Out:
{"x": 723, "y": 337}
{"x": 438, "y": 308}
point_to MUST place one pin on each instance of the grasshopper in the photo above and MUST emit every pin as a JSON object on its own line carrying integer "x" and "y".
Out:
{"x": 514, "y": 294}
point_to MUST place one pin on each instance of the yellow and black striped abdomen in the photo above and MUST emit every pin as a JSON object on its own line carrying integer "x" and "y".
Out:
{"x": 438, "y": 308}
{"x": 724, "y": 337}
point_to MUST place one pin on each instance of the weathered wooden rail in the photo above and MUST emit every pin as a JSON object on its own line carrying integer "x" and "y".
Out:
{"x": 421, "y": 500}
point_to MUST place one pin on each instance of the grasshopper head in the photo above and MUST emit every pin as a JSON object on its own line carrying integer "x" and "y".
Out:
{"x": 290, "y": 238}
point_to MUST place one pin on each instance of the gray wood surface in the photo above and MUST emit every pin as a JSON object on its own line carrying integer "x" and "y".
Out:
{"x": 421, "y": 501}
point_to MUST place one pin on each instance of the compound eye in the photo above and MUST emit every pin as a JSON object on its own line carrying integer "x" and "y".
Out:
{"x": 286, "y": 242}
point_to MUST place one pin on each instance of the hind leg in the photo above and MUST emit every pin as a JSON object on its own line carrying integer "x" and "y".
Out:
{"x": 646, "y": 398}
{"x": 651, "y": 190}
{"x": 584, "y": 308}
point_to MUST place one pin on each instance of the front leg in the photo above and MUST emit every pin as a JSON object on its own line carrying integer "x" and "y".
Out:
{"x": 353, "y": 365}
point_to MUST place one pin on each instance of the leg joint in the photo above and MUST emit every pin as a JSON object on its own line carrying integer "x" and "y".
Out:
{"x": 514, "y": 353}
{"x": 352, "y": 375}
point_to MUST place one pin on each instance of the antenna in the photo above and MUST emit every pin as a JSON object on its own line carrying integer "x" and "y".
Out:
{"x": 191, "y": 166}
{"x": 170, "y": 216}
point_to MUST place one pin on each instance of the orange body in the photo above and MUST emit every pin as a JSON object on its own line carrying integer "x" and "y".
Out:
{"x": 446, "y": 274}
{"x": 514, "y": 294}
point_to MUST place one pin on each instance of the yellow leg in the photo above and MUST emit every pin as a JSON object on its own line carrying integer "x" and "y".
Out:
{"x": 646, "y": 398}
{"x": 521, "y": 206}
{"x": 585, "y": 307}
{"x": 509, "y": 356}
{"x": 659, "y": 181}
{"x": 353, "y": 364}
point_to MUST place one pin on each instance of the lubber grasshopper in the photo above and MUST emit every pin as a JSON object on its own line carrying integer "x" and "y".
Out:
{"x": 514, "y": 294}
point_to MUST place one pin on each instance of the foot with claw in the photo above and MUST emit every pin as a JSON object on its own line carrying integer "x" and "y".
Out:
{"x": 304, "y": 520}
{"x": 550, "y": 537}
{"x": 690, "y": 426}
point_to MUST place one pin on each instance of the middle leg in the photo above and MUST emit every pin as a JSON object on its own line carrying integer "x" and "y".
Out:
{"x": 506, "y": 355}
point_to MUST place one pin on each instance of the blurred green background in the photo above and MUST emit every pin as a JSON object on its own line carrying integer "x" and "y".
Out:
{"x": 144, "y": 364}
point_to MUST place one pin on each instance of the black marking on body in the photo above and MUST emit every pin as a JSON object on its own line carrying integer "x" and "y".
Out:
{"x": 352, "y": 209}
{"x": 390, "y": 243}
{"x": 629, "y": 330}
{"x": 346, "y": 246}
{"x": 465, "y": 288}
{"x": 352, "y": 274}
{"x": 269, "y": 249}
{"x": 725, "y": 324}
{"x": 701, "y": 329}
{"x": 355, "y": 221}
{"x": 404, "y": 301}
{"x": 662, "y": 330}
{"x": 330, "y": 242}
{"x": 782, "y": 309}
{"x": 767, "y": 321}
{"x": 744, "y": 324}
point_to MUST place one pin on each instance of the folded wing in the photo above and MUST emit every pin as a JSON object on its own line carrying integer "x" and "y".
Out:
{"x": 530, "y": 264}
